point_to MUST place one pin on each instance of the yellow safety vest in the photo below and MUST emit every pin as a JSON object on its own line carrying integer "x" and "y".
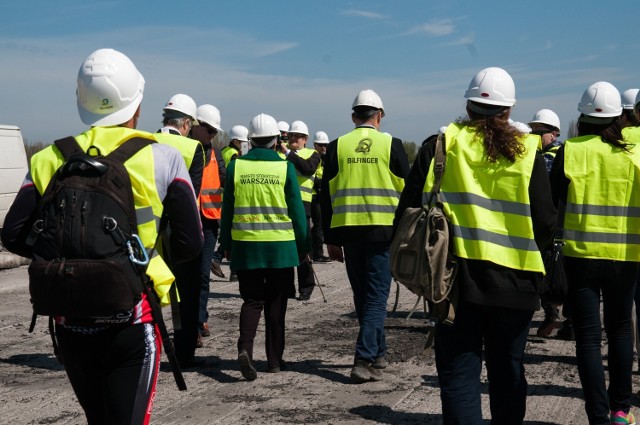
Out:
{"x": 227, "y": 154}
{"x": 602, "y": 218}
{"x": 364, "y": 192}
{"x": 260, "y": 212}
{"x": 186, "y": 146}
{"x": 318, "y": 175}
{"x": 305, "y": 182}
{"x": 488, "y": 203}
{"x": 145, "y": 192}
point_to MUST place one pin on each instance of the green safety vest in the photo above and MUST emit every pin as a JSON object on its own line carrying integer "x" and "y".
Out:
{"x": 146, "y": 199}
{"x": 305, "y": 182}
{"x": 602, "y": 218}
{"x": 488, "y": 203}
{"x": 260, "y": 211}
{"x": 227, "y": 154}
{"x": 364, "y": 192}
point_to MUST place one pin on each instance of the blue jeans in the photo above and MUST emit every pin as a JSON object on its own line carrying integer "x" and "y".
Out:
{"x": 458, "y": 348}
{"x": 210, "y": 231}
{"x": 616, "y": 281}
{"x": 370, "y": 277}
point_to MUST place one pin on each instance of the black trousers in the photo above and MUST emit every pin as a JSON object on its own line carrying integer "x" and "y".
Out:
{"x": 266, "y": 289}
{"x": 317, "y": 237}
{"x": 188, "y": 282}
{"x": 305, "y": 272}
{"x": 113, "y": 372}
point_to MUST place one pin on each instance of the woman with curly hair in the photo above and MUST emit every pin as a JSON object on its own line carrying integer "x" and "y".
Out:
{"x": 496, "y": 194}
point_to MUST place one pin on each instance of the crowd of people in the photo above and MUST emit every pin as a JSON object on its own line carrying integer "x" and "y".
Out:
{"x": 269, "y": 204}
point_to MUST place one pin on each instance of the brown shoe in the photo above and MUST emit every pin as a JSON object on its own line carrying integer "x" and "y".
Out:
{"x": 199, "y": 343}
{"x": 204, "y": 330}
{"x": 216, "y": 270}
{"x": 547, "y": 326}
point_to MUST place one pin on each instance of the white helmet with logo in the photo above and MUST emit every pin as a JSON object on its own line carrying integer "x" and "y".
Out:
{"x": 263, "y": 125}
{"x": 110, "y": 88}
{"x": 183, "y": 104}
{"x": 299, "y": 127}
{"x": 492, "y": 86}
{"x": 601, "y": 100}
{"x": 209, "y": 115}
{"x": 239, "y": 132}
{"x": 629, "y": 98}
{"x": 548, "y": 117}
{"x": 369, "y": 98}
{"x": 321, "y": 138}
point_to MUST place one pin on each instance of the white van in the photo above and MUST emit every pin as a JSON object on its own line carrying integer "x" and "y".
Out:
{"x": 13, "y": 166}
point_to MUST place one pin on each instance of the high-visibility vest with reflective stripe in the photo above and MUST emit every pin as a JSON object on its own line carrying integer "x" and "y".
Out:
{"x": 305, "y": 182}
{"x": 146, "y": 199}
{"x": 318, "y": 175}
{"x": 260, "y": 212}
{"x": 488, "y": 203}
{"x": 364, "y": 192}
{"x": 185, "y": 145}
{"x": 602, "y": 218}
{"x": 227, "y": 154}
{"x": 210, "y": 190}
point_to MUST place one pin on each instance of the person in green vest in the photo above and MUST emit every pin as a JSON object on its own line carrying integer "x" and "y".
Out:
{"x": 363, "y": 177}
{"x": 306, "y": 162}
{"x": 264, "y": 235}
{"x": 596, "y": 175}
{"x": 496, "y": 195}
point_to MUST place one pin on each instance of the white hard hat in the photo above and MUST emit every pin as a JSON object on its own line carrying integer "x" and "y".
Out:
{"x": 239, "y": 132}
{"x": 520, "y": 126}
{"x": 183, "y": 104}
{"x": 601, "y": 100}
{"x": 263, "y": 125}
{"x": 492, "y": 86}
{"x": 442, "y": 129}
{"x": 283, "y": 126}
{"x": 369, "y": 98}
{"x": 546, "y": 116}
{"x": 110, "y": 88}
{"x": 629, "y": 98}
{"x": 210, "y": 115}
{"x": 299, "y": 127}
{"x": 321, "y": 138}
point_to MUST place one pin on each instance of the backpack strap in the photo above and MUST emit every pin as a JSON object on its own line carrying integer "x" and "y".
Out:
{"x": 129, "y": 148}
{"x": 438, "y": 168}
{"x": 69, "y": 147}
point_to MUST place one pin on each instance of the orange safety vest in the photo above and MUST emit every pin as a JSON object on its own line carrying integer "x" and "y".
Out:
{"x": 210, "y": 191}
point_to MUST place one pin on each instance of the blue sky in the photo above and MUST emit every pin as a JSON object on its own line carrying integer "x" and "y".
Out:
{"x": 307, "y": 60}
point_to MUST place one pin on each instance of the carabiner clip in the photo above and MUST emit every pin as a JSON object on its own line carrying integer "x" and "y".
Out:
{"x": 140, "y": 248}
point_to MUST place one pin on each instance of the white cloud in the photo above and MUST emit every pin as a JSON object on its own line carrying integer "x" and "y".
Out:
{"x": 363, "y": 14}
{"x": 435, "y": 28}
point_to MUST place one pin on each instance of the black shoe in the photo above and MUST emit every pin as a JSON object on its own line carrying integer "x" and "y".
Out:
{"x": 547, "y": 326}
{"x": 304, "y": 296}
{"x": 233, "y": 277}
{"x": 246, "y": 367}
{"x": 277, "y": 369}
{"x": 567, "y": 332}
{"x": 322, "y": 259}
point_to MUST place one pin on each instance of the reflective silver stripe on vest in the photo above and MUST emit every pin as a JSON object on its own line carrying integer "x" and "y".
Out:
{"x": 207, "y": 205}
{"x": 306, "y": 189}
{"x": 466, "y": 198}
{"x": 604, "y": 210}
{"x": 515, "y": 242}
{"x": 599, "y": 237}
{"x": 260, "y": 210}
{"x": 211, "y": 191}
{"x": 145, "y": 215}
{"x": 364, "y": 208}
{"x": 390, "y": 193}
{"x": 262, "y": 226}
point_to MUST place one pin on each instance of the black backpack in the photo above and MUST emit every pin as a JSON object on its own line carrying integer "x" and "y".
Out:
{"x": 88, "y": 261}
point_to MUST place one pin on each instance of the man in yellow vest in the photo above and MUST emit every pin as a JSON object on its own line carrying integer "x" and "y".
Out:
{"x": 179, "y": 116}
{"x": 363, "y": 177}
{"x": 320, "y": 142}
{"x": 213, "y": 175}
{"x": 109, "y": 92}
{"x": 306, "y": 162}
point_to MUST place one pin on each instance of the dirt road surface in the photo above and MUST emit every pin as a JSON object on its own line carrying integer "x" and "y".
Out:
{"x": 315, "y": 389}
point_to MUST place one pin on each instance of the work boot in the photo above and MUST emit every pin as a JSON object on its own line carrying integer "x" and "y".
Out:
{"x": 363, "y": 371}
{"x": 380, "y": 363}
{"x": 246, "y": 367}
{"x": 216, "y": 270}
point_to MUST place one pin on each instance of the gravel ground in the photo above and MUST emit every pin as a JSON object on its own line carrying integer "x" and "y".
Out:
{"x": 315, "y": 389}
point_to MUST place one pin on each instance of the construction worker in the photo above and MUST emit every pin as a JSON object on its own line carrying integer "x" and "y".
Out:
{"x": 213, "y": 176}
{"x": 363, "y": 176}
{"x": 111, "y": 388}
{"x": 597, "y": 176}
{"x": 306, "y": 162}
{"x": 628, "y": 106}
{"x": 320, "y": 142}
{"x": 283, "y": 126}
{"x": 496, "y": 194}
{"x": 264, "y": 234}
{"x": 179, "y": 116}
{"x": 237, "y": 136}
